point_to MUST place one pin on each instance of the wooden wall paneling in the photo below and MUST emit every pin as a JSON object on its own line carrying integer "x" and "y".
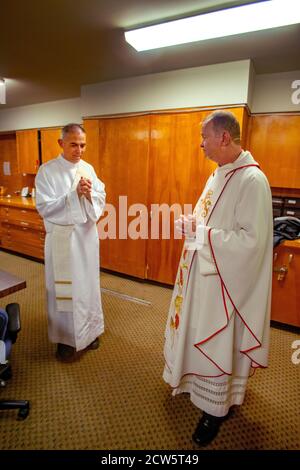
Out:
{"x": 244, "y": 120}
{"x": 49, "y": 145}
{"x": 274, "y": 141}
{"x": 178, "y": 173}
{"x": 91, "y": 154}
{"x": 27, "y": 151}
{"x": 124, "y": 152}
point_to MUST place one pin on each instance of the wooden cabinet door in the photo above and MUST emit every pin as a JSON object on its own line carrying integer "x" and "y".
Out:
{"x": 27, "y": 151}
{"x": 178, "y": 172}
{"x": 274, "y": 142}
{"x": 91, "y": 154}
{"x": 286, "y": 288}
{"x": 8, "y": 153}
{"x": 49, "y": 145}
{"x": 124, "y": 152}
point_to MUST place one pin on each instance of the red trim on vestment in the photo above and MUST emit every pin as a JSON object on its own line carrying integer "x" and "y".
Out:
{"x": 231, "y": 175}
{"x": 254, "y": 364}
{"x": 235, "y": 308}
{"x": 240, "y": 167}
{"x": 218, "y": 199}
{"x": 223, "y": 286}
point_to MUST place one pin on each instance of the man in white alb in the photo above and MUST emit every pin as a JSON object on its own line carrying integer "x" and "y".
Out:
{"x": 218, "y": 324}
{"x": 71, "y": 198}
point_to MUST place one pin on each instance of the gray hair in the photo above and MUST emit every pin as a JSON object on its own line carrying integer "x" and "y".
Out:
{"x": 225, "y": 121}
{"x": 72, "y": 127}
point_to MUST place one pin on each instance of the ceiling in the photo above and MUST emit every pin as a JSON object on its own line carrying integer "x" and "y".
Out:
{"x": 49, "y": 48}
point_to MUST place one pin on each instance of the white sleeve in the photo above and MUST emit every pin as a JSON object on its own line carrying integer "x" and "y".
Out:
{"x": 206, "y": 263}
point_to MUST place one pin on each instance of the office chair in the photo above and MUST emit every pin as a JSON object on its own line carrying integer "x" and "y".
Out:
{"x": 9, "y": 328}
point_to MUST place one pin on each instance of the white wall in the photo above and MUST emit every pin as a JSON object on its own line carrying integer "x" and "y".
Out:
{"x": 219, "y": 84}
{"x": 54, "y": 113}
{"x": 273, "y": 93}
{"x": 198, "y": 86}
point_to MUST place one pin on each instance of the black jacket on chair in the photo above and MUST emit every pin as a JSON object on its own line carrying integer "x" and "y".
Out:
{"x": 286, "y": 228}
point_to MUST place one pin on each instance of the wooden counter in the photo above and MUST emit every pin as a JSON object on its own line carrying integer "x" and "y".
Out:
{"x": 18, "y": 201}
{"x": 21, "y": 228}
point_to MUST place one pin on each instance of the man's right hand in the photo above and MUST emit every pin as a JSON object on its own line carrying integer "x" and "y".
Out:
{"x": 186, "y": 225}
{"x": 84, "y": 188}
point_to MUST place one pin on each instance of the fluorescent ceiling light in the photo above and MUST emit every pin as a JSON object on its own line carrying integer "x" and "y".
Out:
{"x": 238, "y": 20}
{"x": 2, "y": 91}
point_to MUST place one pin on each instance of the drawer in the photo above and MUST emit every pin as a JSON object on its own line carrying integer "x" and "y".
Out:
{"x": 31, "y": 250}
{"x": 277, "y": 201}
{"x": 293, "y": 202}
{"x": 291, "y": 212}
{"x": 22, "y": 235}
{"x": 23, "y": 217}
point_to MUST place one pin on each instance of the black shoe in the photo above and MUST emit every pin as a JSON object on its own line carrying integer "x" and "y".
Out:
{"x": 207, "y": 429}
{"x": 94, "y": 345}
{"x": 65, "y": 353}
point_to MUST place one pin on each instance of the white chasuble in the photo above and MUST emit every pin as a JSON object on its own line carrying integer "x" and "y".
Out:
{"x": 218, "y": 323}
{"x": 75, "y": 314}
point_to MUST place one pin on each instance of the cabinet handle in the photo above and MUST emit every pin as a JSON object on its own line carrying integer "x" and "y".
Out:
{"x": 23, "y": 210}
{"x": 24, "y": 223}
{"x": 282, "y": 271}
{"x": 275, "y": 256}
{"x": 290, "y": 258}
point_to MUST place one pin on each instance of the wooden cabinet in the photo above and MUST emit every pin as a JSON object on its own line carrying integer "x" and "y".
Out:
{"x": 151, "y": 161}
{"x": 274, "y": 141}
{"x": 27, "y": 151}
{"x": 8, "y": 153}
{"x": 22, "y": 230}
{"x": 178, "y": 173}
{"x": 124, "y": 157}
{"x": 286, "y": 283}
{"x": 49, "y": 144}
{"x": 91, "y": 154}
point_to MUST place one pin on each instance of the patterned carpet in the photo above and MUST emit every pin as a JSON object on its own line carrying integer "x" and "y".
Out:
{"x": 114, "y": 397}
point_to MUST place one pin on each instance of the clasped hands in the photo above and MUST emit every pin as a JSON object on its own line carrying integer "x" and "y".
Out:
{"x": 193, "y": 230}
{"x": 186, "y": 225}
{"x": 84, "y": 188}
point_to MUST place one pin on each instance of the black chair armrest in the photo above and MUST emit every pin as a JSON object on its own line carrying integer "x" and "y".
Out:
{"x": 14, "y": 322}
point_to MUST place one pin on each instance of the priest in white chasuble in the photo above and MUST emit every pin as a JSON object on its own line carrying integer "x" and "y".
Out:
{"x": 218, "y": 326}
{"x": 71, "y": 198}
